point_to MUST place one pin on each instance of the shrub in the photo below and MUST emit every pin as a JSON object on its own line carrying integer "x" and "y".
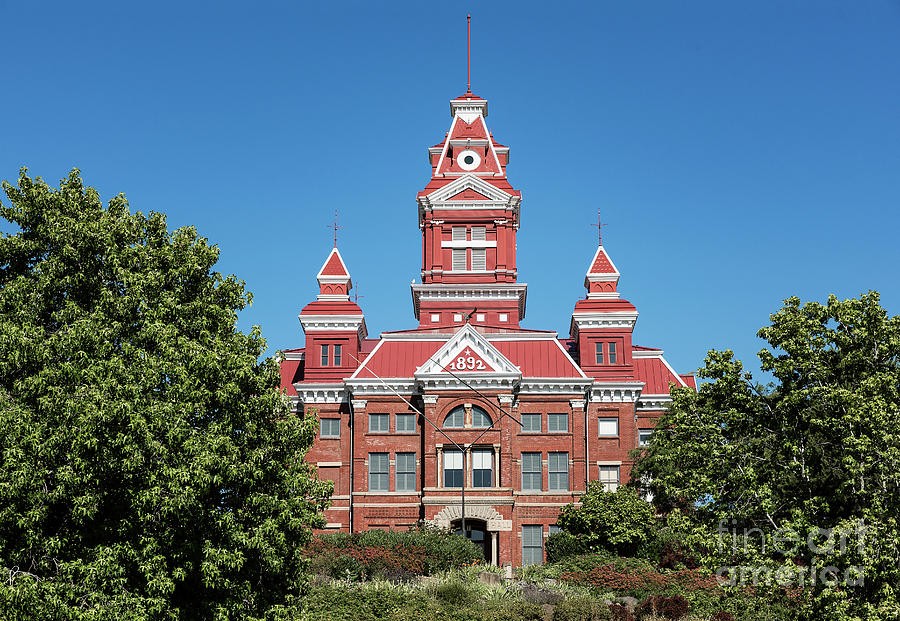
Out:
{"x": 563, "y": 545}
{"x": 722, "y": 616}
{"x": 618, "y": 521}
{"x": 581, "y": 609}
{"x": 512, "y": 610}
{"x": 389, "y": 554}
{"x": 674, "y": 607}
{"x": 618, "y": 612}
{"x": 453, "y": 592}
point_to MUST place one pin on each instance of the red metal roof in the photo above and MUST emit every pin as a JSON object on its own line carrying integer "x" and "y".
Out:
{"x": 398, "y": 358}
{"x": 655, "y": 375}
{"x": 538, "y": 358}
{"x": 468, "y": 96}
{"x": 291, "y": 371}
{"x": 602, "y": 264}
{"x": 334, "y": 266}
{"x": 331, "y": 307}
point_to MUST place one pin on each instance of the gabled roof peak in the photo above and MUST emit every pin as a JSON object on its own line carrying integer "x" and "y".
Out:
{"x": 334, "y": 278}
{"x": 602, "y": 277}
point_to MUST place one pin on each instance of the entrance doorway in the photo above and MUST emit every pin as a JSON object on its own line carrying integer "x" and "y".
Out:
{"x": 477, "y": 533}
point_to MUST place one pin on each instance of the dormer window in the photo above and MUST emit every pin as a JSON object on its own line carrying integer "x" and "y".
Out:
{"x": 337, "y": 355}
{"x": 599, "y": 350}
{"x": 324, "y": 355}
{"x": 612, "y": 353}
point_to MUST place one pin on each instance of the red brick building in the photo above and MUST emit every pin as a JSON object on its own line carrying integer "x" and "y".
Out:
{"x": 537, "y": 416}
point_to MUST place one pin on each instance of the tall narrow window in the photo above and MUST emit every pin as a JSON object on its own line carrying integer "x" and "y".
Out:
{"x": 479, "y": 259}
{"x": 483, "y": 468}
{"x": 558, "y": 478}
{"x": 337, "y": 355}
{"x": 531, "y": 423}
{"x": 324, "y": 355}
{"x": 557, "y": 423}
{"x": 459, "y": 260}
{"x": 532, "y": 544}
{"x": 612, "y": 353}
{"x": 599, "y": 353}
{"x": 532, "y": 472}
{"x": 405, "y": 473}
{"x": 378, "y": 472}
{"x": 453, "y": 469}
{"x": 479, "y": 233}
{"x": 609, "y": 478}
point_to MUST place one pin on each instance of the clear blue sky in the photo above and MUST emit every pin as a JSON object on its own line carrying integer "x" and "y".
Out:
{"x": 741, "y": 152}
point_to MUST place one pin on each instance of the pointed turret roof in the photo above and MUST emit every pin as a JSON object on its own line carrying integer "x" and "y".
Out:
{"x": 334, "y": 278}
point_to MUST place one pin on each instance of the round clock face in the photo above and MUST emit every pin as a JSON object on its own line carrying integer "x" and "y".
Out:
{"x": 468, "y": 160}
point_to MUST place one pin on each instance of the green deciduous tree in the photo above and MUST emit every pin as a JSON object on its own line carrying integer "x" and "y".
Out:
{"x": 150, "y": 467}
{"x": 817, "y": 450}
{"x": 616, "y": 521}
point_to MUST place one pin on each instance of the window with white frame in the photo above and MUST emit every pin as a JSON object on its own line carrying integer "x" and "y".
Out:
{"x": 378, "y": 472}
{"x": 608, "y": 427}
{"x": 532, "y": 472}
{"x": 531, "y": 423}
{"x": 479, "y": 316}
{"x": 379, "y": 423}
{"x": 458, "y": 233}
{"x": 612, "y": 353}
{"x": 405, "y": 423}
{"x": 532, "y": 544}
{"x": 503, "y": 317}
{"x": 483, "y": 468}
{"x": 479, "y": 259}
{"x": 609, "y": 477}
{"x": 457, "y": 316}
{"x": 557, "y": 423}
{"x": 558, "y": 473}
{"x": 644, "y": 436}
{"x": 453, "y": 472}
{"x": 435, "y": 317}
{"x": 459, "y": 259}
{"x": 405, "y": 473}
{"x": 330, "y": 428}
{"x": 337, "y": 355}
{"x": 479, "y": 233}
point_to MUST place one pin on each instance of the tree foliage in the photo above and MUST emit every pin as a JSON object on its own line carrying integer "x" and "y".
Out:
{"x": 616, "y": 521}
{"x": 817, "y": 450}
{"x": 150, "y": 467}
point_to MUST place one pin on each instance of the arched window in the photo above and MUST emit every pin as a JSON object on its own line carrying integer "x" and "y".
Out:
{"x": 456, "y": 419}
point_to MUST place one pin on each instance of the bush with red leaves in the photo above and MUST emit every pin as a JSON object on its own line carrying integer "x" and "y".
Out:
{"x": 674, "y": 607}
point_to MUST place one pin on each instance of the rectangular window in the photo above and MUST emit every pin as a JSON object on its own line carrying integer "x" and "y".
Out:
{"x": 483, "y": 468}
{"x": 479, "y": 233}
{"x": 599, "y": 353}
{"x": 531, "y": 423}
{"x": 379, "y": 423}
{"x": 324, "y": 355}
{"x": 609, "y": 478}
{"x": 459, "y": 260}
{"x": 405, "y": 473}
{"x": 553, "y": 529}
{"x": 608, "y": 427}
{"x": 458, "y": 233}
{"x": 435, "y": 317}
{"x": 612, "y": 353}
{"x": 457, "y": 317}
{"x": 479, "y": 259}
{"x": 337, "y": 355}
{"x": 558, "y": 478}
{"x": 644, "y": 436}
{"x": 532, "y": 544}
{"x": 452, "y": 469}
{"x": 330, "y": 428}
{"x": 504, "y": 317}
{"x": 479, "y": 316}
{"x": 378, "y": 472}
{"x": 532, "y": 472}
{"x": 405, "y": 423}
{"x": 557, "y": 423}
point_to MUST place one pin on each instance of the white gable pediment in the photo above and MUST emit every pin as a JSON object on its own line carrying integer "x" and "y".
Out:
{"x": 466, "y": 182}
{"x": 468, "y": 354}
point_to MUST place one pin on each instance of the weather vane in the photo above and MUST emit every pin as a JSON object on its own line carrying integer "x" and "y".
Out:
{"x": 599, "y": 226}
{"x": 335, "y": 226}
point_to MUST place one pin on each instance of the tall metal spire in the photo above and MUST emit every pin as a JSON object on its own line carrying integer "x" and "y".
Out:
{"x": 469, "y": 50}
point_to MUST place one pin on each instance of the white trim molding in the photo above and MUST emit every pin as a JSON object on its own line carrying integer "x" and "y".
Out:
{"x": 469, "y": 292}
{"x": 595, "y": 320}
{"x": 616, "y": 392}
{"x": 335, "y": 323}
{"x": 309, "y": 394}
